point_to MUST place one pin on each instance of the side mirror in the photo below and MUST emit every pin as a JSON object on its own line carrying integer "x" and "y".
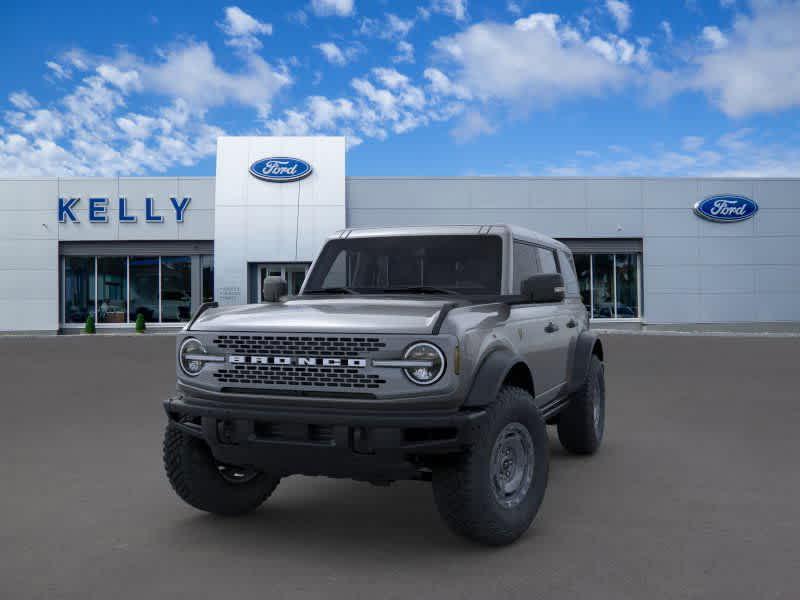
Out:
{"x": 543, "y": 287}
{"x": 273, "y": 288}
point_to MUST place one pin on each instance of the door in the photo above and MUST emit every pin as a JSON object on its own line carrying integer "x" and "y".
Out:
{"x": 293, "y": 273}
{"x": 543, "y": 336}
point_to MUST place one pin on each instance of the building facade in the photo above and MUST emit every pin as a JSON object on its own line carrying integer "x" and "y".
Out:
{"x": 115, "y": 248}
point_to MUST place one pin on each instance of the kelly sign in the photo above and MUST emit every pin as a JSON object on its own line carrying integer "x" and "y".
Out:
{"x": 98, "y": 210}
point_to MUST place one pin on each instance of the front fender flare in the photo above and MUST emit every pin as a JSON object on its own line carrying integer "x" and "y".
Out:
{"x": 490, "y": 376}
{"x": 584, "y": 349}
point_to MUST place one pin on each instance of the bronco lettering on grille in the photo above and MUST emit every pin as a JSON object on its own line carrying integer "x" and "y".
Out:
{"x": 300, "y": 361}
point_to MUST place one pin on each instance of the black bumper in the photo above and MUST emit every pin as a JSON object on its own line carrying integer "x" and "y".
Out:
{"x": 371, "y": 445}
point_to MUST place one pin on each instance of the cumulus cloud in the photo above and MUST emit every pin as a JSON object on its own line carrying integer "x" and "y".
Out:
{"x": 536, "y": 60}
{"x": 757, "y": 66}
{"x": 91, "y": 131}
{"x": 405, "y": 52}
{"x": 715, "y": 37}
{"x": 385, "y": 101}
{"x": 621, "y": 12}
{"x": 453, "y": 8}
{"x": 336, "y": 55}
{"x": 243, "y": 29}
{"x": 339, "y": 8}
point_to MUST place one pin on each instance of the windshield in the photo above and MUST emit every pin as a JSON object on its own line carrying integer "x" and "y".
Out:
{"x": 463, "y": 264}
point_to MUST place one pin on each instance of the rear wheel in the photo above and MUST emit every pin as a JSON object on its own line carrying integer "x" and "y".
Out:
{"x": 582, "y": 423}
{"x": 208, "y": 485}
{"x": 492, "y": 492}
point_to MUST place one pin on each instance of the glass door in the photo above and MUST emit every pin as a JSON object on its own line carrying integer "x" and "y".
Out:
{"x": 294, "y": 274}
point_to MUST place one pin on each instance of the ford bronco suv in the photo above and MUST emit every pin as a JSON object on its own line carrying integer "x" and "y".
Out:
{"x": 431, "y": 353}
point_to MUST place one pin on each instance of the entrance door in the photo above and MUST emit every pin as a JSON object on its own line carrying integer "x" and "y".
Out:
{"x": 293, "y": 273}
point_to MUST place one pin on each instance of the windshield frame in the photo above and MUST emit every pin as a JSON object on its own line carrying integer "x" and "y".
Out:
{"x": 395, "y": 290}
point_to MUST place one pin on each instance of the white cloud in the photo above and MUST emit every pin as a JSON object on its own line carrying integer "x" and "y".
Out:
{"x": 514, "y": 8}
{"x": 472, "y": 124}
{"x": 621, "y": 11}
{"x": 715, "y": 37}
{"x": 405, "y": 52}
{"x": 91, "y": 131}
{"x": 453, "y": 8}
{"x": 22, "y": 100}
{"x": 57, "y": 70}
{"x": 666, "y": 27}
{"x": 243, "y": 29}
{"x": 735, "y": 154}
{"x": 336, "y": 55}
{"x": 758, "y": 70}
{"x": 441, "y": 84}
{"x": 537, "y": 60}
{"x": 398, "y": 27}
{"x": 191, "y": 72}
{"x": 339, "y": 8}
{"x": 385, "y": 101}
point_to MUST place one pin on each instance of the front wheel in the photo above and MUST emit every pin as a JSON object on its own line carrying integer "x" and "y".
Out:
{"x": 492, "y": 492}
{"x": 208, "y": 485}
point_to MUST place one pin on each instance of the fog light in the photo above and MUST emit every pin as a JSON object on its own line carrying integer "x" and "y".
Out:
{"x": 431, "y": 363}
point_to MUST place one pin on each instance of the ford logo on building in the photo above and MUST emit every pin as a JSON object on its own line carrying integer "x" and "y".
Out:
{"x": 726, "y": 209}
{"x": 280, "y": 169}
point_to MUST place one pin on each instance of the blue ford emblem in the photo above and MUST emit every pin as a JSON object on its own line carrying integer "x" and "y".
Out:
{"x": 280, "y": 169}
{"x": 726, "y": 209}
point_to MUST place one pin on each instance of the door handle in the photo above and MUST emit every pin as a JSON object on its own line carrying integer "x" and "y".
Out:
{"x": 551, "y": 327}
{"x": 571, "y": 323}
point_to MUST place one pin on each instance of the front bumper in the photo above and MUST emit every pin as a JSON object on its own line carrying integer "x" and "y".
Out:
{"x": 360, "y": 444}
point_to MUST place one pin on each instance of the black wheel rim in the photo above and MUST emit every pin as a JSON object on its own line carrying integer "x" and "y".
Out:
{"x": 512, "y": 464}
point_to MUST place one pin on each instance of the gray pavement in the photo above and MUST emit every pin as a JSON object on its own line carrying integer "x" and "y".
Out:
{"x": 695, "y": 493}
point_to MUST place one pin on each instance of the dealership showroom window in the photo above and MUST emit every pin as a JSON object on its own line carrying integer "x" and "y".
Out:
{"x": 116, "y": 289}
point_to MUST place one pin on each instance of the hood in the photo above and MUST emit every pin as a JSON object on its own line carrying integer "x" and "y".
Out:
{"x": 329, "y": 315}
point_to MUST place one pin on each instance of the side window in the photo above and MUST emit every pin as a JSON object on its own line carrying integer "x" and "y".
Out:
{"x": 568, "y": 270}
{"x": 526, "y": 263}
{"x": 547, "y": 259}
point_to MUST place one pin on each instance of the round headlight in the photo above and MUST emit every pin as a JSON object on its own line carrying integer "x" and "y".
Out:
{"x": 190, "y": 356}
{"x": 430, "y": 363}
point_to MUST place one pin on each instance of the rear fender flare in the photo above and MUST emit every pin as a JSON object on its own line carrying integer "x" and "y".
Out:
{"x": 588, "y": 344}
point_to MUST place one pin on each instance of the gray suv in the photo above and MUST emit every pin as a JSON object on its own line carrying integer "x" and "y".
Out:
{"x": 431, "y": 353}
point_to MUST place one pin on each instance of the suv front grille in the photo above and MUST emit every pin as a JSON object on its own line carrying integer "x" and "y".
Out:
{"x": 295, "y": 376}
{"x": 291, "y": 345}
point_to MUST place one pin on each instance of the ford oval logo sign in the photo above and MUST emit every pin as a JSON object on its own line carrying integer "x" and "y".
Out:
{"x": 280, "y": 169}
{"x": 726, "y": 209}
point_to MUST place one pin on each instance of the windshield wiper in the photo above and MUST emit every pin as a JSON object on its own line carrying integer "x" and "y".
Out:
{"x": 332, "y": 290}
{"x": 420, "y": 289}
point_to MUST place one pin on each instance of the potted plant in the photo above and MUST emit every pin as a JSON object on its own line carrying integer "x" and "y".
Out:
{"x": 89, "y": 327}
{"x": 140, "y": 325}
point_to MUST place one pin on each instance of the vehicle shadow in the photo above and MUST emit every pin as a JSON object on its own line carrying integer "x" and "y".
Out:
{"x": 341, "y": 518}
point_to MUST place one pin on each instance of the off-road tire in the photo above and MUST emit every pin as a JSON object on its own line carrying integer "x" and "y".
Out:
{"x": 577, "y": 429}
{"x": 462, "y": 485}
{"x": 195, "y": 477}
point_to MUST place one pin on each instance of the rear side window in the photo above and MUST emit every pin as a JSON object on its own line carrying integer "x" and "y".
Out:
{"x": 526, "y": 263}
{"x": 547, "y": 260}
{"x": 568, "y": 271}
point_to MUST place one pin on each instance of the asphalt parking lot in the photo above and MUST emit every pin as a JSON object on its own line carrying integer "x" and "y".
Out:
{"x": 695, "y": 494}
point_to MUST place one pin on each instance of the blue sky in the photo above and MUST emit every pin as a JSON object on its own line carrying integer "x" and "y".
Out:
{"x": 439, "y": 87}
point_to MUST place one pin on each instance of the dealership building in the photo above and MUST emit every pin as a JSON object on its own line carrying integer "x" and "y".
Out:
{"x": 650, "y": 252}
